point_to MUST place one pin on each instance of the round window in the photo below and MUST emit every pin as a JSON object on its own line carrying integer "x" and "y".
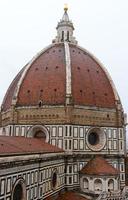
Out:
{"x": 39, "y": 131}
{"x": 96, "y": 139}
{"x": 40, "y": 134}
{"x": 93, "y": 138}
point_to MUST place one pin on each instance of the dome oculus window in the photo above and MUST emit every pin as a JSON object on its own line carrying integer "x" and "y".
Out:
{"x": 93, "y": 138}
{"x": 40, "y": 134}
{"x": 96, "y": 139}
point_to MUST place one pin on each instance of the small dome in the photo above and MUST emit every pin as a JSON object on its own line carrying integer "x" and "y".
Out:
{"x": 99, "y": 166}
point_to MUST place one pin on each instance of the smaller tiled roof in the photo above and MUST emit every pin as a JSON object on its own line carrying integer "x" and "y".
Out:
{"x": 70, "y": 195}
{"x": 21, "y": 145}
{"x": 99, "y": 166}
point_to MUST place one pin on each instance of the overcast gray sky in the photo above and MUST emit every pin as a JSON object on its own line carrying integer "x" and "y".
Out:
{"x": 101, "y": 26}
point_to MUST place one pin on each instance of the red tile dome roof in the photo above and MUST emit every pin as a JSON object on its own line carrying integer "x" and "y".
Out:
{"x": 45, "y": 79}
{"x": 99, "y": 166}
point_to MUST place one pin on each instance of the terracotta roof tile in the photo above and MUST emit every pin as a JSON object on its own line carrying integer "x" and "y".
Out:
{"x": 22, "y": 145}
{"x": 90, "y": 85}
{"x": 99, "y": 166}
{"x": 6, "y": 104}
{"x": 45, "y": 80}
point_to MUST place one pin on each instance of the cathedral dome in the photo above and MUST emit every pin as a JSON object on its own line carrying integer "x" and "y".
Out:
{"x": 44, "y": 80}
{"x": 62, "y": 130}
{"x": 63, "y": 73}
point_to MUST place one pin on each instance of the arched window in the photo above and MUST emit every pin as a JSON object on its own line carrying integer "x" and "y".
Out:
{"x": 85, "y": 183}
{"x": 111, "y": 185}
{"x": 68, "y": 36}
{"x": 4, "y": 131}
{"x": 98, "y": 185}
{"x": 19, "y": 190}
{"x": 54, "y": 179}
{"x": 62, "y": 39}
{"x": 40, "y": 103}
